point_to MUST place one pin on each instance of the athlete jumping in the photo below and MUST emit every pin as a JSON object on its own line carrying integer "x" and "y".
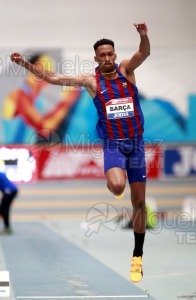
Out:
{"x": 120, "y": 125}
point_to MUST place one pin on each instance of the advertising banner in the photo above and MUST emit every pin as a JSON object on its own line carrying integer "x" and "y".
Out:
{"x": 70, "y": 163}
{"x": 180, "y": 161}
{"x": 18, "y": 163}
{"x": 87, "y": 162}
{"x": 154, "y": 161}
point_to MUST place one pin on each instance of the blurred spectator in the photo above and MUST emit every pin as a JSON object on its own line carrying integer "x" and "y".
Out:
{"x": 9, "y": 192}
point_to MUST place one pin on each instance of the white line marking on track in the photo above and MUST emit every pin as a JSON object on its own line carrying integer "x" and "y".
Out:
{"x": 82, "y": 297}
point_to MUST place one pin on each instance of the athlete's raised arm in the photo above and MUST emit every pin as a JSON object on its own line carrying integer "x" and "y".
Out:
{"x": 143, "y": 52}
{"x": 52, "y": 78}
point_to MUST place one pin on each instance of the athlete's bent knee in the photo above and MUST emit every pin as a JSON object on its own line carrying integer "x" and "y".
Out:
{"x": 116, "y": 188}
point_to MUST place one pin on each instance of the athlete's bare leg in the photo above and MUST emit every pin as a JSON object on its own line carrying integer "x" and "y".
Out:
{"x": 116, "y": 180}
{"x": 138, "y": 190}
{"x": 139, "y": 225}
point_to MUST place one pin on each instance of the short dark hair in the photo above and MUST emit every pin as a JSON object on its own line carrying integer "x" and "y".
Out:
{"x": 103, "y": 42}
{"x": 34, "y": 58}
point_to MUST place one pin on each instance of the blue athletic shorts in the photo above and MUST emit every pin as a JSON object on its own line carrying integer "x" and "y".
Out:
{"x": 128, "y": 155}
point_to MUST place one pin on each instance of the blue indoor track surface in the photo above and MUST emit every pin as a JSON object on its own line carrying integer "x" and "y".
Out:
{"x": 43, "y": 264}
{"x": 68, "y": 242}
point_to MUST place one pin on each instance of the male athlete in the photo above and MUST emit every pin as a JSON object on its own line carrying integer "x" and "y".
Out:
{"x": 120, "y": 125}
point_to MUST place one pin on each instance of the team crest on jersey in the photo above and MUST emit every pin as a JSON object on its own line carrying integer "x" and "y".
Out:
{"x": 124, "y": 84}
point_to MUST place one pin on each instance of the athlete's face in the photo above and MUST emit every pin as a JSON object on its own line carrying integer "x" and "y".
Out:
{"x": 105, "y": 56}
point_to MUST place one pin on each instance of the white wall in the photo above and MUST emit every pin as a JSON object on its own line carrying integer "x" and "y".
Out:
{"x": 75, "y": 25}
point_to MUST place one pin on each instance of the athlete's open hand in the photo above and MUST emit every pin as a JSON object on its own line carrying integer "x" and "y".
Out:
{"x": 17, "y": 58}
{"x": 141, "y": 28}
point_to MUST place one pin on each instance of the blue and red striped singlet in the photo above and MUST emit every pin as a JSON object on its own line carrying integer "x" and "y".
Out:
{"x": 118, "y": 107}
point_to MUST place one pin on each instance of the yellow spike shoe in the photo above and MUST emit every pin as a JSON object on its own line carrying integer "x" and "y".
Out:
{"x": 136, "y": 272}
{"x": 119, "y": 197}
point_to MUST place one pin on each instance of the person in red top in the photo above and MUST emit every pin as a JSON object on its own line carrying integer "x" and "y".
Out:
{"x": 120, "y": 125}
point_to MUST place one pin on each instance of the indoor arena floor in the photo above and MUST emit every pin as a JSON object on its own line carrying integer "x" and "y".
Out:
{"x": 71, "y": 241}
